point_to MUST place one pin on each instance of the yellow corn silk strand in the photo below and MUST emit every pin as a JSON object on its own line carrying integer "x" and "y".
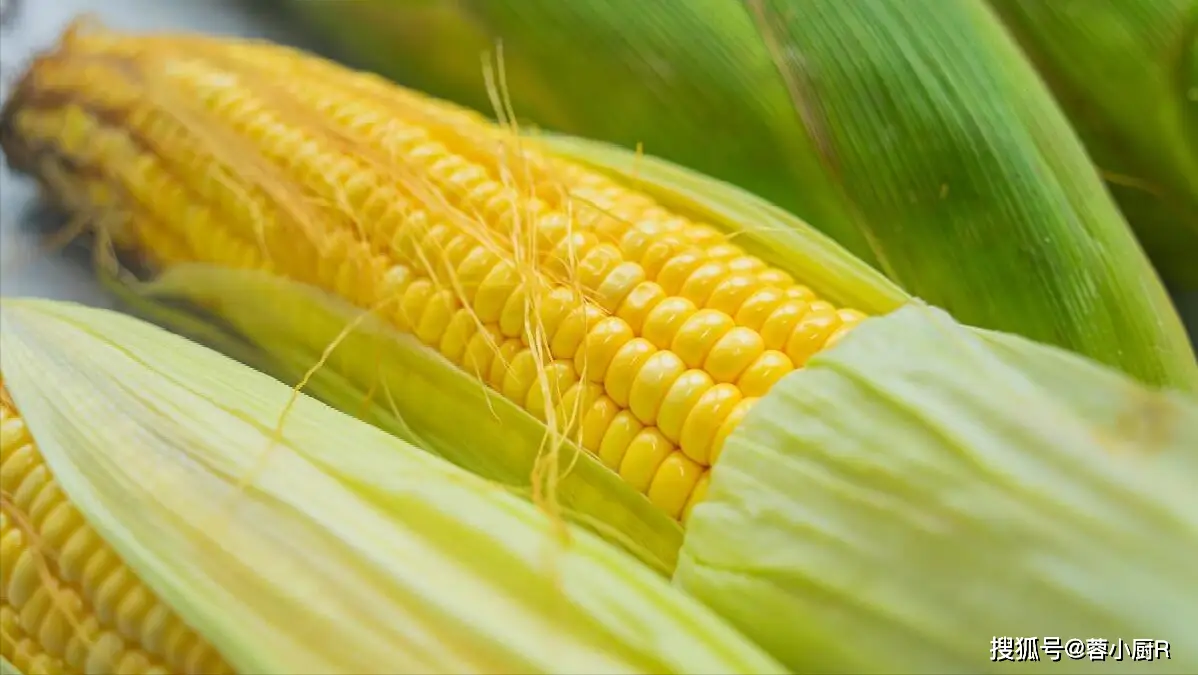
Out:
{"x": 68, "y": 604}
{"x": 643, "y": 334}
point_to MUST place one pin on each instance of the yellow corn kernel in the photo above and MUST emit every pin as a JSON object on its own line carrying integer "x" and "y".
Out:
{"x": 674, "y": 482}
{"x": 67, "y": 602}
{"x": 683, "y": 395}
{"x": 580, "y": 299}
{"x": 644, "y": 456}
{"x": 811, "y": 332}
{"x": 653, "y": 381}
{"x": 730, "y": 422}
{"x": 705, "y": 419}
{"x": 764, "y": 372}
{"x": 618, "y": 437}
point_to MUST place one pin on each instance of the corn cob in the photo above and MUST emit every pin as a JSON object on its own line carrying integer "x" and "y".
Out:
{"x": 67, "y": 601}
{"x": 645, "y": 335}
{"x": 293, "y": 538}
{"x": 914, "y": 133}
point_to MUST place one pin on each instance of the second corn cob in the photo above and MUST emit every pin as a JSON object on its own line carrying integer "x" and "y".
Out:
{"x": 291, "y": 537}
{"x": 645, "y": 335}
{"x": 67, "y": 601}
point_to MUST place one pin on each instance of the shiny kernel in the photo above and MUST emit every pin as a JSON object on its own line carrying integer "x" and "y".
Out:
{"x": 624, "y": 366}
{"x": 13, "y": 434}
{"x": 758, "y": 307}
{"x": 480, "y": 352}
{"x": 800, "y": 292}
{"x": 731, "y": 293}
{"x": 660, "y": 253}
{"x": 733, "y": 420}
{"x": 838, "y": 334}
{"x": 669, "y": 222}
{"x": 639, "y": 303}
{"x": 697, "y": 496}
{"x": 618, "y": 284}
{"x": 635, "y": 243}
{"x": 611, "y": 226}
{"x": 733, "y": 353}
{"x": 568, "y": 253}
{"x": 618, "y": 437}
{"x": 502, "y": 362}
{"x": 594, "y": 355}
{"x": 747, "y": 264}
{"x": 651, "y": 383}
{"x": 436, "y": 316}
{"x": 494, "y": 291}
{"x": 547, "y": 390}
{"x": 551, "y": 229}
{"x": 701, "y": 283}
{"x": 513, "y": 320}
{"x": 764, "y": 373}
{"x": 682, "y": 396}
{"x": 458, "y": 333}
{"x": 571, "y": 410}
{"x": 664, "y": 321}
{"x": 473, "y": 270}
{"x": 724, "y": 252}
{"x": 704, "y": 235}
{"x": 597, "y": 264}
{"x": 574, "y": 330}
{"x": 555, "y": 306}
{"x": 595, "y": 423}
{"x": 810, "y": 335}
{"x": 775, "y": 277}
{"x": 645, "y": 454}
{"x": 415, "y": 299}
{"x": 674, "y": 482}
{"x": 822, "y": 306}
{"x": 704, "y": 420}
{"x": 696, "y": 337}
{"x": 391, "y": 289}
{"x": 679, "y": 268}
{"x": 519, "y": 377}
{"x": 851, "y": 315}
{"x": 781, "y": 323}
{"x": 456, "y": 251}
{"x": 16, "y": 466}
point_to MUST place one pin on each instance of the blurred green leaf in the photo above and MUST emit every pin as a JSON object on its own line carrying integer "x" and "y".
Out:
{"x": 1124, "y": 72}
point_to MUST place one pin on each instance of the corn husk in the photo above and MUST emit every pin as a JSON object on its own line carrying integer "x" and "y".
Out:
{"x": 914, "y": 132}
{"x": 921, "y": 489}
{"x": 1123, "y": 71}
{"x": 310, "y": 542}
{"x": 361, "y": 366}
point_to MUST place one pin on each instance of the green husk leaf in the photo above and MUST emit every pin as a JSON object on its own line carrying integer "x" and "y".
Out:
{"x": 393, "y": 381}
{"x": 322, "y": 544}
{"x": 913, "y": 132}
{"x": 7, "y": 668}
{"x": 1123, "y": 72}
{"x": 922, "y": 488}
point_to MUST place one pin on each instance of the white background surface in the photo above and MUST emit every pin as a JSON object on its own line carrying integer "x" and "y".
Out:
{"x": 25, "y": 269}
